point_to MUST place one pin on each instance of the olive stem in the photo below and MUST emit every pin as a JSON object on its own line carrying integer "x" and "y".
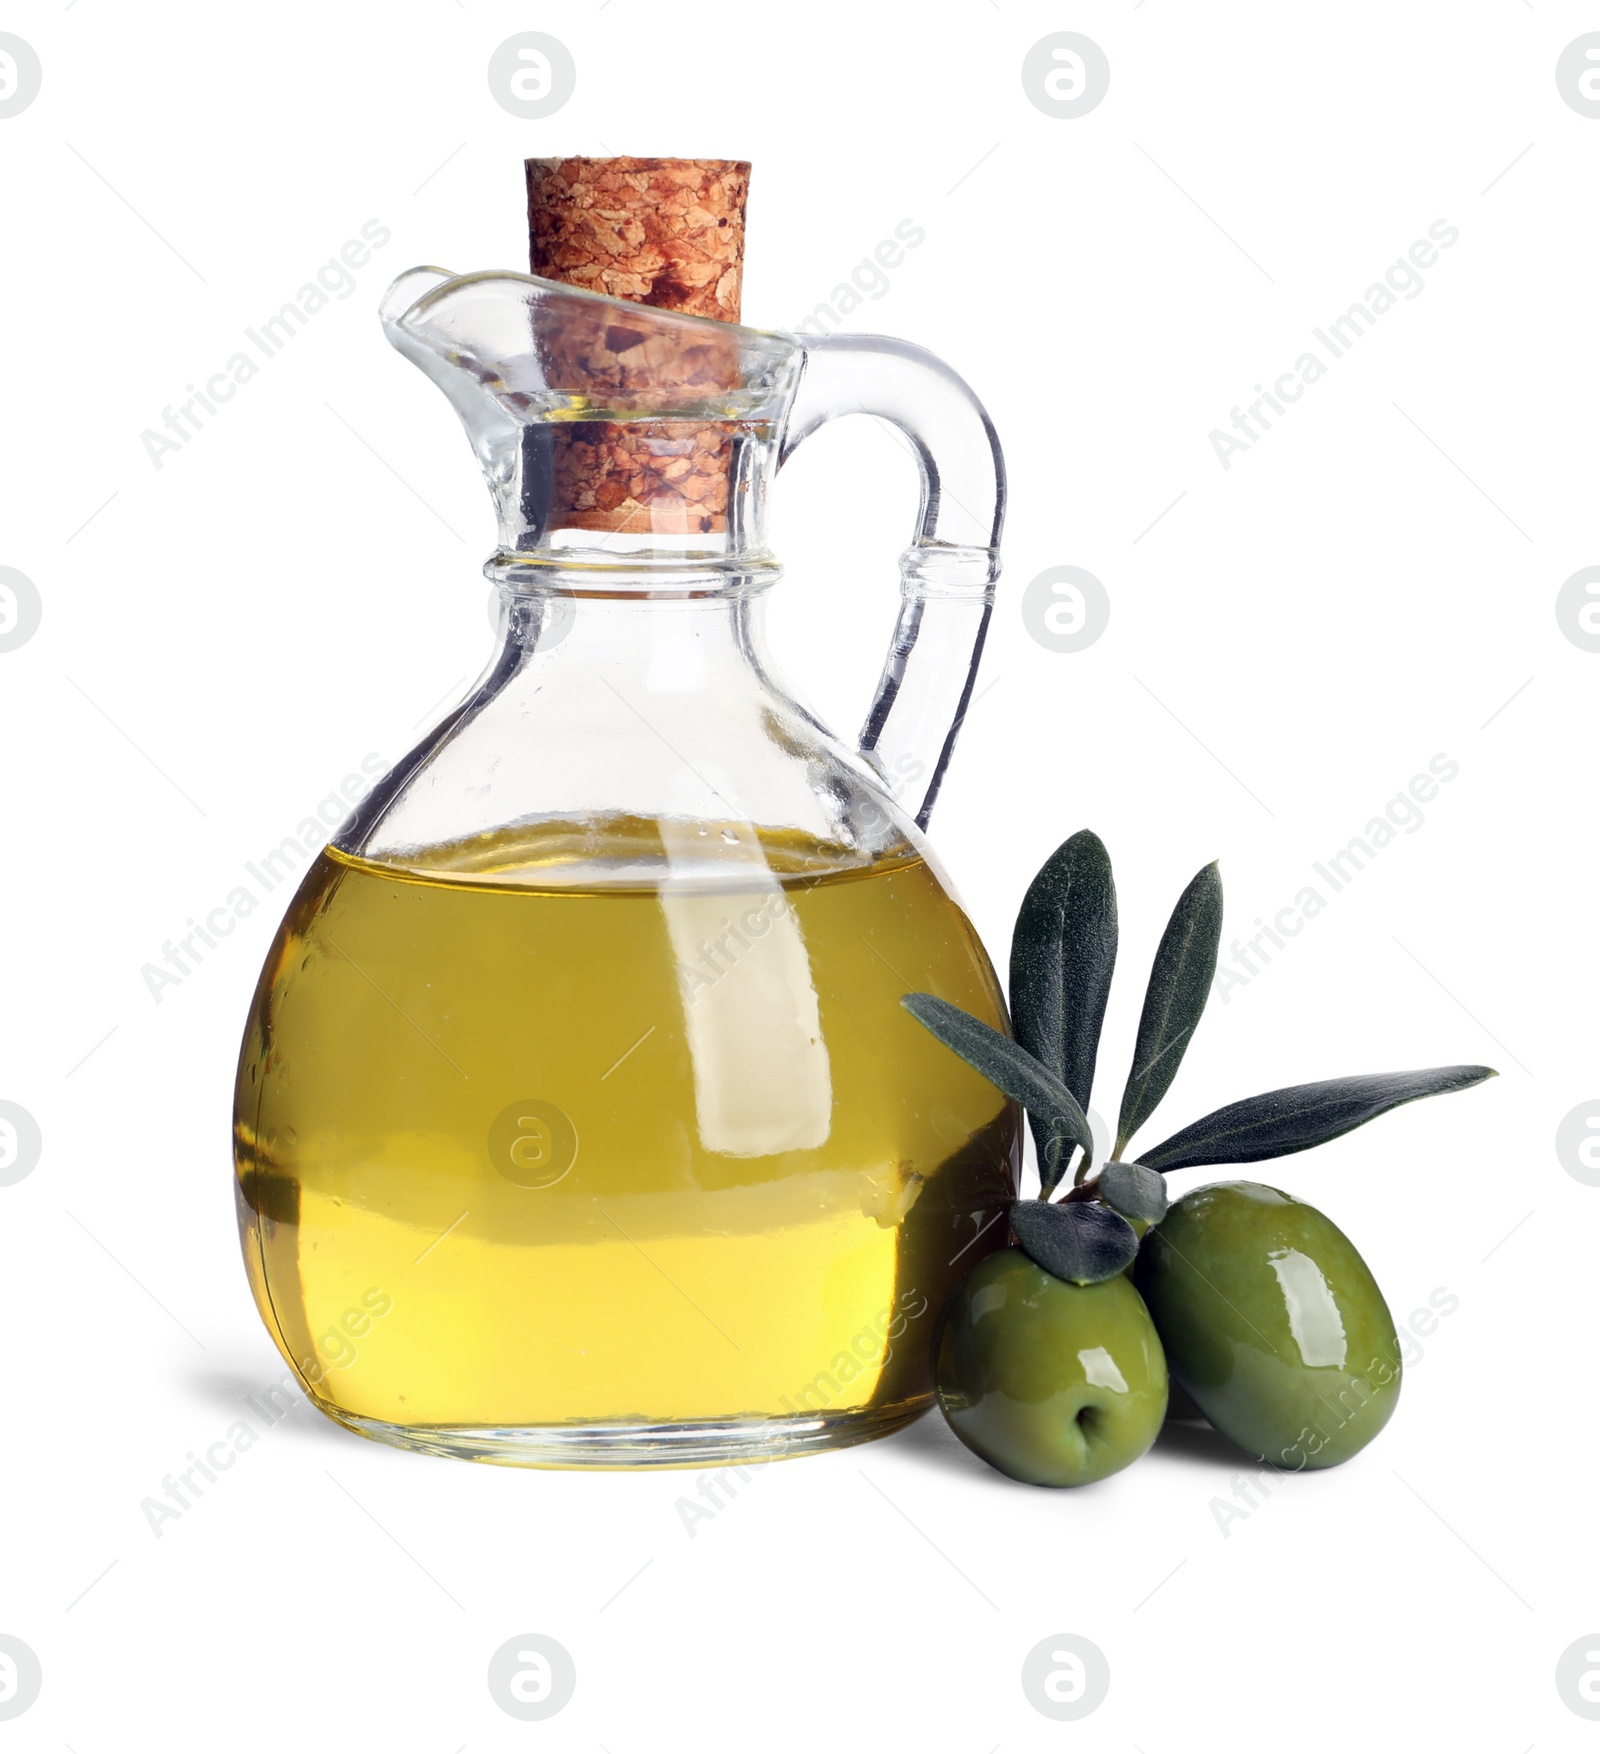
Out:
{"x": 1086, "y": 1190}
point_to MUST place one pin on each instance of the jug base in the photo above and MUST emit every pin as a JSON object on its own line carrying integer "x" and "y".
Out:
{"x": 688, "y": 1443}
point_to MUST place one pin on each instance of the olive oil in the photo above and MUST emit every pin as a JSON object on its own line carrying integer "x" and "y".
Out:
{"x": 617, "y": 1125}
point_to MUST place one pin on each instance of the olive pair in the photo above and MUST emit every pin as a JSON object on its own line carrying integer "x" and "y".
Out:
{"x": 1259, "y": 1306}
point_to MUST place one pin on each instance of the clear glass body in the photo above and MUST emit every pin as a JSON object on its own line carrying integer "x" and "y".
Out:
{"x": 578, "y": 1121}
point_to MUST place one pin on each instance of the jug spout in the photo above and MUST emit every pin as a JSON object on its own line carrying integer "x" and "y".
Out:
{"x": 601, "y": 424}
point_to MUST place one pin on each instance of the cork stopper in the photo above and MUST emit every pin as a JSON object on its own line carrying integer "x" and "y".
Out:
{"x": 665, "y": 232}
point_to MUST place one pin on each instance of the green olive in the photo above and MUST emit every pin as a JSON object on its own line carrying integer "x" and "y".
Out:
{"x": 1272, "y": 1323}
{"x": 1051, "y": 1383}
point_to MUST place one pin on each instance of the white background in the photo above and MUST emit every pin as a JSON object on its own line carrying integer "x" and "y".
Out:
{"x": 1370, "y": 585}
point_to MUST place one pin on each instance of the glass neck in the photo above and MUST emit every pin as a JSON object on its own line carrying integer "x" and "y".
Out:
{"x": 627, "y": 496}
{"x": 629, "y": 571}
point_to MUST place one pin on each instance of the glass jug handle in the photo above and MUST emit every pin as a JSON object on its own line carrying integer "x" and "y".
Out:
{"x": 947, "y": 575}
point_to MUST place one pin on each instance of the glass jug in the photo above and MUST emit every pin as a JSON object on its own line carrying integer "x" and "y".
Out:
{"x": 578, "y": 1121}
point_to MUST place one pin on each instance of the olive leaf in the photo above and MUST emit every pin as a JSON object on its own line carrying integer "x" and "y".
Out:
{"x": 1063, "y": 951}
{"x": 1081, "y": 1242}
{"x": 1180, "y": 981}
{"x": 1048, "y": 1101}
{"x": 1299, "y": 1116}
{"x": 1135, "y": 1190}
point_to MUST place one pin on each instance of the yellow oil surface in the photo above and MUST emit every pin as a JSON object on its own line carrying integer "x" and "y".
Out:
{"x": 523, "y": 1142}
